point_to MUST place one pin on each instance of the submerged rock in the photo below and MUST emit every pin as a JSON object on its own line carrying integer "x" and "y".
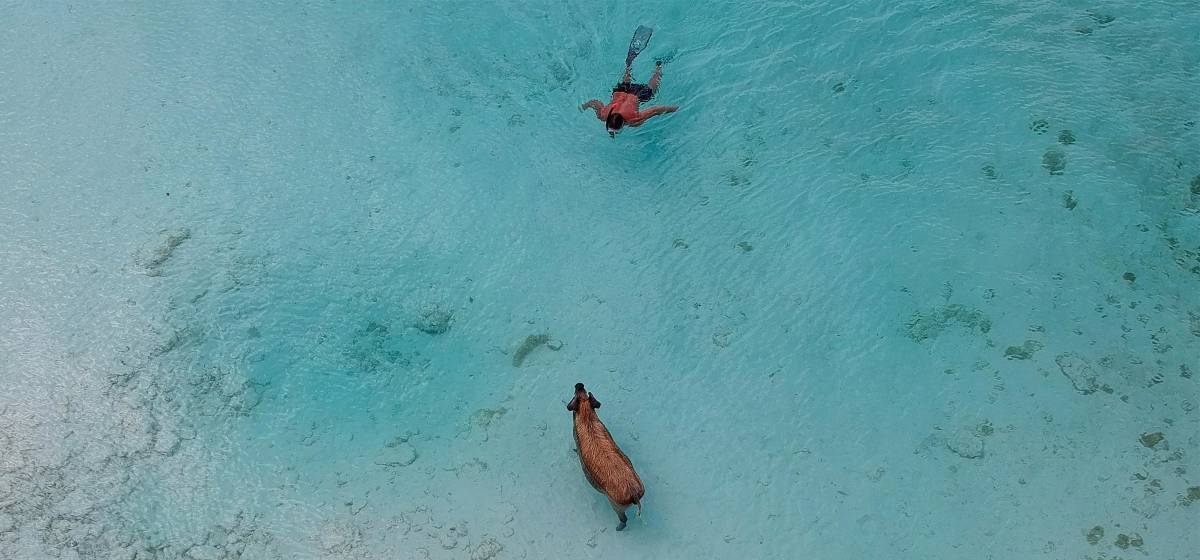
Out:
{"x": 487, "y": 550}
{"x": 531, "y": 343}
{"x": 965, "y": 444}
{"x": 1125, "y": 541}
{"x": 340, "y": 538}
{"x": 203, "y": 552}
{"x": 1024, "y": 351}
{"x": 1151, "y": 439}
{"x": 396, "y": 454}
{"x": 484, "y": 417}
{"x": 434, "y": 320}
{"x": 153, "y": 259}
{"x": 1069, "y": 201}
{"x": 1055, "y": 161}
{"x": 1078, "y": 372}
{"x": 481, "y": 421}
{"x": 1192, "y": 495}
{"x": 931, "y": 323}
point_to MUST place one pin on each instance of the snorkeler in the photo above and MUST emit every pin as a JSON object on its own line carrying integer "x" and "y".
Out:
{"x": 623, "y": 110}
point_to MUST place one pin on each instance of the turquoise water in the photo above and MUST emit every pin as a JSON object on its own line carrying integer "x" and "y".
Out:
{"x": 899, "y": 280}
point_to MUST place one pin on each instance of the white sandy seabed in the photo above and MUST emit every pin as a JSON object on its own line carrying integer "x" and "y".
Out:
{"x": 906, "y": 282}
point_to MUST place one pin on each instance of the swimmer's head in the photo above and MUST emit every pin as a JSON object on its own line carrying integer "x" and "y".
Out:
{"x": 614, "y": 122}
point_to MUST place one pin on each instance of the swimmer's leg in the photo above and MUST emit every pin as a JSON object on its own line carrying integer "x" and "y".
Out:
{"x": 657, "y": 77}
{"x": 628, "y": 77}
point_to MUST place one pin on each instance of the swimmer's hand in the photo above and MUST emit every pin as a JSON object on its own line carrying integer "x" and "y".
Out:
{"x": 594, "y": 105}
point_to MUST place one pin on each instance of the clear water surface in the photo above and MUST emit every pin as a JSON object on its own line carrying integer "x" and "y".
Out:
{"x": 911, "y": 279}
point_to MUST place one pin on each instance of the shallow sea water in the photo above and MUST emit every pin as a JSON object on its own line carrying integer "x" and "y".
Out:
{"x": 899, "y": 280}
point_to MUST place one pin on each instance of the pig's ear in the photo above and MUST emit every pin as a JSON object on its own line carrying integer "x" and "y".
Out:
{"x": 573, "y": 405}
{"x": 595, "y": 403}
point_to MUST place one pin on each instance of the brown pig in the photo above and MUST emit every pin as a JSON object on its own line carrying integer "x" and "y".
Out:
{"x": 604, "y": 465}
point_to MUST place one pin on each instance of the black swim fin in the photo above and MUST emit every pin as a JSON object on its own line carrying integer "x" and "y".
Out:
{"x": 641, "y": 38}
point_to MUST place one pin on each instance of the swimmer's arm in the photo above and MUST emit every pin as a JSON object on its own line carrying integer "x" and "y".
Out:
{"x": 654, "y": 112}
{"x": 595, "y": 105}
